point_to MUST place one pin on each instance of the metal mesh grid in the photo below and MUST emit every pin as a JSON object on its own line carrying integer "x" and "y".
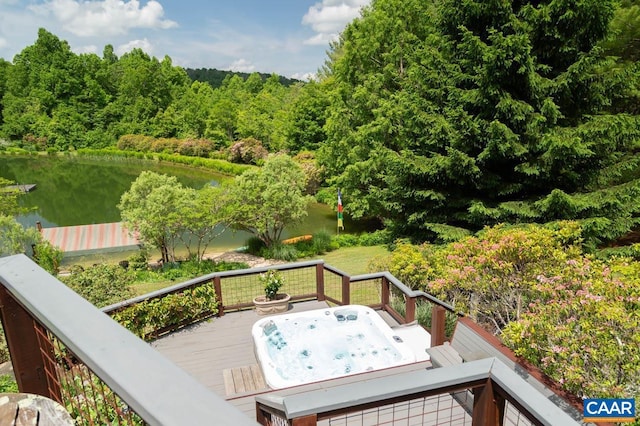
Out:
{"x": 513, "y": 417}
{"x": 367, "y": 292}
{"x": 332, "y": 285}
{"x": 427, "y": 411}
{"x": 71, "y": 383}
{"x": 241, "y": 290}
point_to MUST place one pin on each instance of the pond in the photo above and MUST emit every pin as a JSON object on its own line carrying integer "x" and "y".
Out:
{"x": 81, "y": 191}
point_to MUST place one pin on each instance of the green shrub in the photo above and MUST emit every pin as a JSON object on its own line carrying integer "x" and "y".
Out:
{"x": 101, "y": 285}
{"x": 279, "y": 251}
{"x": 376, "y": 238}
{"x": 8, "y": 384}
{"x": 346, "y": 240}
{"x": 247, "y": 151}
{"x": 321, "y": 241}
{"x": 254, "y": 246}
{"x": 149, "y": 318}
{"x": 139, "y": 261}
{"x": 4, "y": 350}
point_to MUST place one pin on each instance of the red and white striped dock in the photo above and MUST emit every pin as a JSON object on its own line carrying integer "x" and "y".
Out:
{"x": 100, "y": 236}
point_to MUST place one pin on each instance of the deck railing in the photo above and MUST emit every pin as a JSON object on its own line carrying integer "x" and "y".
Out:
{"x": 312, "y": 280}
{"x": 64, "y": 348}
{"x": 478, "y": 393}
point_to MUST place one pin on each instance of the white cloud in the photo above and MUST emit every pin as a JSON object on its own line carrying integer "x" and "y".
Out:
{"x": 329, "y": 17}
{"x": 91, "y": 48}
{"x": 105, "y": 17}
{"x": 242, "y": 65}
{"x": 143, "y": 44}
{"x": 307, "y": 76}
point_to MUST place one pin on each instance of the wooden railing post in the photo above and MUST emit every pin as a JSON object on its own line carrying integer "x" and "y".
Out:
{"x": 217, "y": 286}
{"x": 384, "y": 297}
{"x": 438, "y": 323}
{"x": 346, "y": 299}
{"x": 488, "y": 406}
{"x": 310, "y": 420}
{"x": 24, "y": 348}
{"x": 320, "y": 282}
{"x": 410, "y": 312}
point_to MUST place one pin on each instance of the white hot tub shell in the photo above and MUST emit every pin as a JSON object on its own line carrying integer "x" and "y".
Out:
{"x": 312, "y": 346}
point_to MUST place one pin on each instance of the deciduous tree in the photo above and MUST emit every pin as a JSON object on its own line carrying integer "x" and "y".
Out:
{"x": 264, "y": 201}
{"x": 151, "y": 208}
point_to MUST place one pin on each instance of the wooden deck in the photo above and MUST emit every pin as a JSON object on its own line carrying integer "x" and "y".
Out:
{"x": 207, "y": 349}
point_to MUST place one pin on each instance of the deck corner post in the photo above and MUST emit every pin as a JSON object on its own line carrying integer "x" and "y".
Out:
{"x": 320, "y": 282}
{"x": 410, "y": 312}
{"x": 346, "y": 283}
{"x": 488, "y": 406}
{"x": 24, "y": 347}
{"x": 438, "y": 324}
{"x": 384, "y": 297}
{"x": 217, "y": 286}
{"x": 310, "y": 420}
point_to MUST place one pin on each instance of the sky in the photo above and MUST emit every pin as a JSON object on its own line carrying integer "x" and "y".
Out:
{"x": 286, "y": 37}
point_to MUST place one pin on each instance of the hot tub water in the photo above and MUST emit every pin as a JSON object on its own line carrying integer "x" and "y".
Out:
{"x": 318, "y": 345}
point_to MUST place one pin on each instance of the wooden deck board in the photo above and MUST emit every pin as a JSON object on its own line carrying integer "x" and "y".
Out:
{"x": 213, "y": 351}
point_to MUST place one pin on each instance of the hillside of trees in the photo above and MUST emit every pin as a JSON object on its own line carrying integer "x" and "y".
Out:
{"x": 216, "y": 77}
{"x": 435, "y": 119}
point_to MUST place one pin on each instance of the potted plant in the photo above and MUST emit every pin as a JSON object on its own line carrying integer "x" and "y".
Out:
{"x": 272, "y": 302}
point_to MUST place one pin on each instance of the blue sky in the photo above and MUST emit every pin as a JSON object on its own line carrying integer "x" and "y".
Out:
{"x": 288, "y": 37}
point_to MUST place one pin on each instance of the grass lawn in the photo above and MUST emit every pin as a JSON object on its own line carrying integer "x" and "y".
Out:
{"x": 352, "y": 260}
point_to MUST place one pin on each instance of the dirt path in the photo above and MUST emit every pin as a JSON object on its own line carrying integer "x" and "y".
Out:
{"x": 249, "y": 259}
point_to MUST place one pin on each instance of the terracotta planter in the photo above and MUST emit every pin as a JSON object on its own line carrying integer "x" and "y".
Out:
{"x": 266, "y": 307}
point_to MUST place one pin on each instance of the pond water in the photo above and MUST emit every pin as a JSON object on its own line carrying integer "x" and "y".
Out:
{"x": 81, "y": 191}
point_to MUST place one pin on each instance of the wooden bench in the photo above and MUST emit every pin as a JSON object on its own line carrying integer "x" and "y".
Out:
{"x": 470, "y": 343}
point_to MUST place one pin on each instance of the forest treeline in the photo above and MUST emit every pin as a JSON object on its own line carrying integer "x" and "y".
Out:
{"x": 434, "y": 117}
{"x": 216, "y": 77}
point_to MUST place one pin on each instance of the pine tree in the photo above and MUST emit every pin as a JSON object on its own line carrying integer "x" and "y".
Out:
{"x": 465, "y": 114}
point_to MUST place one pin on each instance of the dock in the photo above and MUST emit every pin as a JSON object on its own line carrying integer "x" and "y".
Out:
{"x": 27, "y": 187}
{"x": 88, "y": 238}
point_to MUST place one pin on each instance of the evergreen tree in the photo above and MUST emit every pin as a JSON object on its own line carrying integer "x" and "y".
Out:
{"x": 449, "y": 116}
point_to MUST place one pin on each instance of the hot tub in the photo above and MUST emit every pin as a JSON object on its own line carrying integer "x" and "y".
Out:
{"x": 323, "y": 344}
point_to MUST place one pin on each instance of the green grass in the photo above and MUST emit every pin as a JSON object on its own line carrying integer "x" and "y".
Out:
{"x": 141, "y": 288}
{"x": 352, "y": 260}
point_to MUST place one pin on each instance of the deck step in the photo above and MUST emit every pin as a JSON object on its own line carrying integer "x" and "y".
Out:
{"x": 240, "y": 380}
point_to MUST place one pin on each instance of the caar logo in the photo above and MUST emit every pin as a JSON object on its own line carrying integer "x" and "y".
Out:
{"x": 609, "y": 410}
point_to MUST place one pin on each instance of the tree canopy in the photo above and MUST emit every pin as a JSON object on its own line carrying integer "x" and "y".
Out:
{"x": 449, "y": 116}
{"x": 263, "y": 201}
{"x": 55, "y": 99}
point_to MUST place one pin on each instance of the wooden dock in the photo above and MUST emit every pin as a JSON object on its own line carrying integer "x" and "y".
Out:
{"x": 28, "y": 187}
{"x": 87, "y": 238}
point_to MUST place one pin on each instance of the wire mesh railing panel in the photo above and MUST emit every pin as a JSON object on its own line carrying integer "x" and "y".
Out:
{"x": 242, "y": 289}
{"x": 299, "y": 282}
{"x": 426, "y": 411}
{"x": 332, "y": 285}
{"x": 366, "y": 292}
{"x": 513, "y": 416}
{"x": 85, "y": 396}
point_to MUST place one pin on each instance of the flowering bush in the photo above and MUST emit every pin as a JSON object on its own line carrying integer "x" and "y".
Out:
{"x": 272, "y": 281}
{"x": 583, "y": 330}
